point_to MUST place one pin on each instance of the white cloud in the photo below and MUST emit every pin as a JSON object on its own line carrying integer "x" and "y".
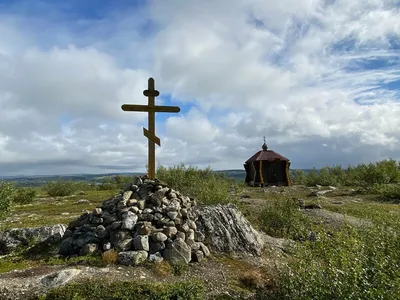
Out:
{"x": 194, "y": 128}
{"x": 312, "y": 76}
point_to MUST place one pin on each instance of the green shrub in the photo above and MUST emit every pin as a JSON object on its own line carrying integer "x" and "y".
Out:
{"x": 352, "y": 264}
{"x": 24, "y": 195}
{"x": 180, "y": 269}
{"x": 382, "y": 172}
{"x": 389, "y": 192}
{"x": 298, "y": 177}
{"x": 127, "y": 290}
{"x": 7, "y": 191}
{"x": 322, "y": 177}
{"x": 282, "y": 218}
{"x": 204, "y": 185}
{"x": 60, "y": 188}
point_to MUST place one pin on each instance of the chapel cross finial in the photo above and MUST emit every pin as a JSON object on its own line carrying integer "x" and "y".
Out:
{"x": 264, "y": 146}
{"x": 151, "y": 108}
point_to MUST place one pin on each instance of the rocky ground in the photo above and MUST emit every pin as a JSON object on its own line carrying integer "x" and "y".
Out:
{"x": 221, "y": 272}
{"x": 219, "y": 276}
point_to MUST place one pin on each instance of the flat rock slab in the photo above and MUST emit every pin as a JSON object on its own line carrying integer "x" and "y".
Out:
{"x": 12, "y": 239}
{"x": 336, "y": 218}
{"x": 280, "y": 244}
{"x": 59, "y": 278}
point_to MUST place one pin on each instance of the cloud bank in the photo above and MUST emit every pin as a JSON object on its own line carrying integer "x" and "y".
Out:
{"x": 320, "y": 79}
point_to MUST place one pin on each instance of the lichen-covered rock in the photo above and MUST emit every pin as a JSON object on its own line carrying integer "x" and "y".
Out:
{"x": 132, "y": 258}
{"x": 227, "y": 230}
{"x": 178, "y": 252}
{"x": 141, "y": 242}
{"x": 59, "y": 278}
{"x": 129, "y": 220}
{"x": 14, "y": 239}
{"x": 159, "y": 237}
{"x": 89, "y": 249}
{"x": 197, "y": 256}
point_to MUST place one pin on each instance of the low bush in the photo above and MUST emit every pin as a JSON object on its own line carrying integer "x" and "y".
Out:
{"x": 382, "y": 172}
{"x": 180, "y": 269}
{"x": 282, "y": 218}
{"x": 24, "y": 195}
{"x": 10, "y": 194}
{"x": 7, "y": 191}
{"x": 127, "y": 290}
{"x": 162, "y": 268}
{"x": 390, "y": 192}
{"x": 110, "y": 257}
{"x": 253, "y": 279}
{"x": 60, "y": 188}
{"x": 205, "y": 185}
{"x": 351, "y": 264}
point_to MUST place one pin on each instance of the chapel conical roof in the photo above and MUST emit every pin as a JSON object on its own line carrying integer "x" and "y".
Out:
{"x": 266, "y": 155}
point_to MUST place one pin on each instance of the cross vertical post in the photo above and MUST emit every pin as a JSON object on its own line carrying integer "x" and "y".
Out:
{"x": 151, "y": 108}
{"x": 152, "y": 128}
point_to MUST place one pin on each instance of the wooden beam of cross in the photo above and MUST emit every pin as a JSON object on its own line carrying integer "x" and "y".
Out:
{"x": 150, "y": 133}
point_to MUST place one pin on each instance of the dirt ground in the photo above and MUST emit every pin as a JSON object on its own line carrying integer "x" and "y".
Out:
{"x": 220, "y": 274}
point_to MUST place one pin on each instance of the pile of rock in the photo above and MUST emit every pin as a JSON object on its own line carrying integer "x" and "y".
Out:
{"x": 147, "y": 220}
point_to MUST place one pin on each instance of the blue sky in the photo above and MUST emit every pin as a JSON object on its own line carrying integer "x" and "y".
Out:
{"x": 320, "y": 79}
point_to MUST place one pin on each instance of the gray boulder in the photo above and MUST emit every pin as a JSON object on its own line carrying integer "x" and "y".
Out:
{"x": 178, "y": 252}
{"x": 141, "y": 242}
{"x": 59, "y": 278}
{"x": 132, "y": 258}
{"x": 129, "y": 220}
{"x": 227, "y": 230}
{"x": 14, "y": 239}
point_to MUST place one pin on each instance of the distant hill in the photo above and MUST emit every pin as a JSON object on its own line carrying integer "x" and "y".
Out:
{"x": 39, "y": 180}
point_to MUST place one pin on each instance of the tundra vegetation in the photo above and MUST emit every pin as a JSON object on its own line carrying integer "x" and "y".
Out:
{"x": 323, "y": 261}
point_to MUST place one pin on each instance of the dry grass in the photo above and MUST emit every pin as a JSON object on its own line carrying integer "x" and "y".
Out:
{"x": 162, "y": 268}
{"x": 110, "y": 257}
{"x": 253, "y": 279}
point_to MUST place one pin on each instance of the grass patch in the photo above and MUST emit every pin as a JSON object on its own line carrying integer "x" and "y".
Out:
{"x": 374, "y": 211}
{"x": 21, "y": 262}
{"x": 48, "y": 211}
{"x": 8, "y": 264}
{"x": 132, "y": 290}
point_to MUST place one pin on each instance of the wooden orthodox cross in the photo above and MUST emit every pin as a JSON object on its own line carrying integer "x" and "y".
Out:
{"x": 150, "y": 133}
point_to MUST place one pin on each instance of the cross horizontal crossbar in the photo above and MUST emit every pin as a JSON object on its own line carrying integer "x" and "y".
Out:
{"x": 158, "y": 108}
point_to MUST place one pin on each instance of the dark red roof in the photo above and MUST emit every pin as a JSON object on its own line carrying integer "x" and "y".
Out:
{"x": 266, "y": 155}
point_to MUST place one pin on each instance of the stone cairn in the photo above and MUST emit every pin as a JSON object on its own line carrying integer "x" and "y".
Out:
{"x": 147, "y": 220}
